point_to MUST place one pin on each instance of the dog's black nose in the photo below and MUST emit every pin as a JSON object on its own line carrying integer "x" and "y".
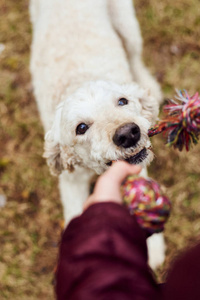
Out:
{"x": 127, "y": 135}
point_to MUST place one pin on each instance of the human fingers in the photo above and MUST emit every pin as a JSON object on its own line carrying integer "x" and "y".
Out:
{"x": 107, "y": 187}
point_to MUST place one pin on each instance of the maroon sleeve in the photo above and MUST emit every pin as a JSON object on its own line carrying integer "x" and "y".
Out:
{"x": 183, "y": 280}
{"x": 103, "y": 255}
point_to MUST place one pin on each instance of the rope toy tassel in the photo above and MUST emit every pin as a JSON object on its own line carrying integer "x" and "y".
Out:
{"x": 181, "y": 125}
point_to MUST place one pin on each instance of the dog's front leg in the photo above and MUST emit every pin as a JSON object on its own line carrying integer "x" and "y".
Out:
{"x": 156, "y": 250}
{"x": 155, "y": 243}
{"x": 74, "y": 190}
{"x": 125, "y": 22}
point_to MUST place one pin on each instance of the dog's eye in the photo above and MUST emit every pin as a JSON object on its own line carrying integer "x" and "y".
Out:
{"x": 81, "y": 128}
{"x": 122, "y": 101}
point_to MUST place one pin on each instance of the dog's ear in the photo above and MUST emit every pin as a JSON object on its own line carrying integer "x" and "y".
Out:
{"x": 52, "y": 150}
{"x": 150, "y": 106}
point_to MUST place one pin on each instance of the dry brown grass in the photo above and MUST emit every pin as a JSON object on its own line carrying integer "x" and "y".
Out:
{"x": 29, "y": 223}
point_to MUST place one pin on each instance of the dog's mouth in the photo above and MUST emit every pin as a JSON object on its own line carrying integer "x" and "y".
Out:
{"x": 134, "y": 159}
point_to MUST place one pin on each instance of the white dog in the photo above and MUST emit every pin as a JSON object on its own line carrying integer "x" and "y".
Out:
{"x": 96, "y": 99}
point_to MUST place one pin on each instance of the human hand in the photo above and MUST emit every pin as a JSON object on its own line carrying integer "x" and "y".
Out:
{"x": 107, "y": 187}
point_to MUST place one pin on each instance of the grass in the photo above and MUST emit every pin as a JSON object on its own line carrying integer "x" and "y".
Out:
{"x": 30, "y": 221}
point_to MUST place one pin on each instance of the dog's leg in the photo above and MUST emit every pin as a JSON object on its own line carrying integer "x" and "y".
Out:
{"x": 156, "y": 250}
{"x": 125, "y": 23}
{"x": 74, "y": 190}
{"x": 155, "y": 243}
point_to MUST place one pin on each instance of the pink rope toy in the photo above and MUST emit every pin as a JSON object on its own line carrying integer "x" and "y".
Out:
{"x": 181, "y": 124}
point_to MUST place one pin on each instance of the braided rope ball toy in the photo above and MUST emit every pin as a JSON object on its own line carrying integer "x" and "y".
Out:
{"x": 145, "y": 200}
{"x": 181, "y": 124}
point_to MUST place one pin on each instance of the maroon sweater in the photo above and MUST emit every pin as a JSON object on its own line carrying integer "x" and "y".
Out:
{"x": 103, "y": 256}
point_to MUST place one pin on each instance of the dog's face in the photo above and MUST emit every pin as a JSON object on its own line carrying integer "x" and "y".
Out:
{"x": 100, "y": 123}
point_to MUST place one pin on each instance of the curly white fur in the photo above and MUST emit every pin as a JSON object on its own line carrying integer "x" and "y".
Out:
{"x": 86, "y": 55}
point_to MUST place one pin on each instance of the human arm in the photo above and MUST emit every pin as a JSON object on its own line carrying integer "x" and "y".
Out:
{"x": 103, "y": 253}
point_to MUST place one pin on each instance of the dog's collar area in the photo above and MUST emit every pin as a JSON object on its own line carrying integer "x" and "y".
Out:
{"x": 135, "y": 159}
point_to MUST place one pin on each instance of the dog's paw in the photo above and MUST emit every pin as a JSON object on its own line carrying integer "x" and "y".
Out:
{"x": 156, "y": 250}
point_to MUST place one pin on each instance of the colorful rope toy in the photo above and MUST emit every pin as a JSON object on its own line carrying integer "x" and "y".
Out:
{"x": 182, "y": 121}
{"x": 144, "y": 199}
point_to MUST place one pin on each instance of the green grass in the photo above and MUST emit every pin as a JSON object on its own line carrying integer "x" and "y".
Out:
{"x": 30, "y": 221}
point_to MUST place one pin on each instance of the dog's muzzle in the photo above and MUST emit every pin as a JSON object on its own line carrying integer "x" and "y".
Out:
{"x": 128, "y": 136}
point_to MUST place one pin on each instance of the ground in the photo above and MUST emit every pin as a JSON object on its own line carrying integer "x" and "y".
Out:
{"x": 30, "y": 220}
